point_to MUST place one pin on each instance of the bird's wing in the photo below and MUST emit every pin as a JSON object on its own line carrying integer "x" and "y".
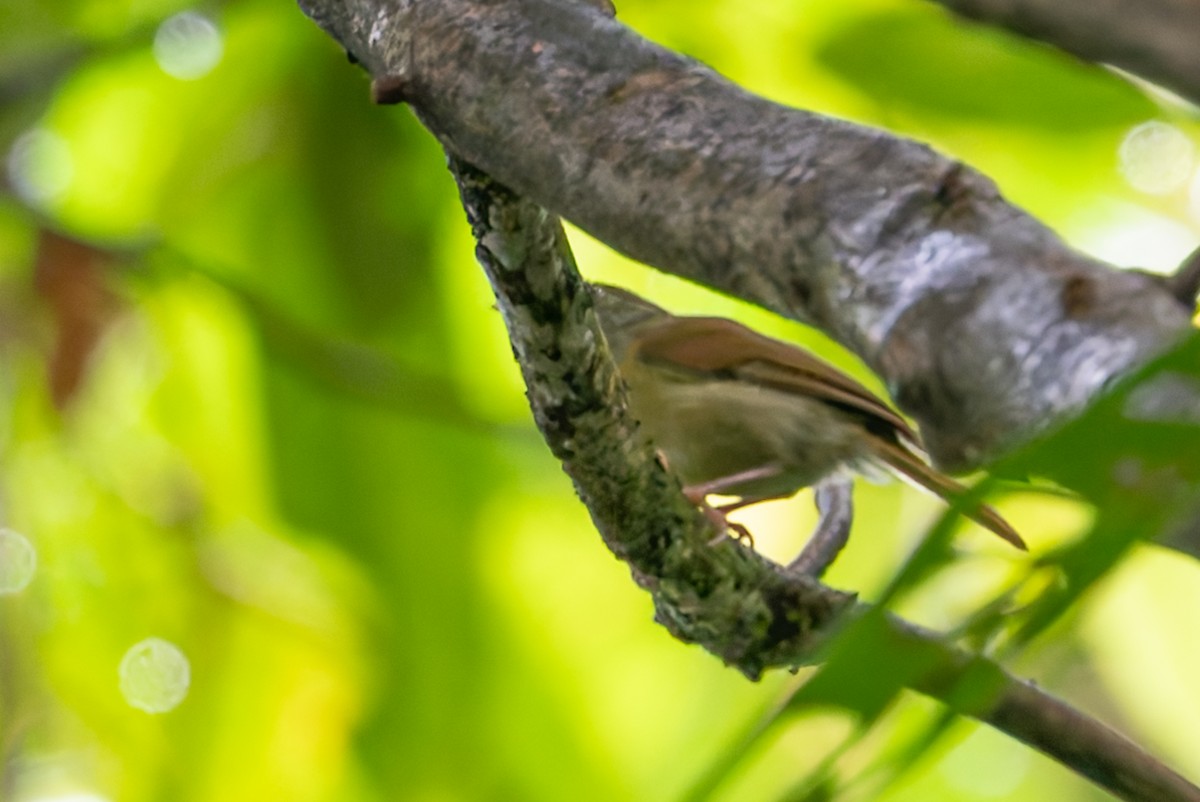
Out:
{"x": 727, "y": 349}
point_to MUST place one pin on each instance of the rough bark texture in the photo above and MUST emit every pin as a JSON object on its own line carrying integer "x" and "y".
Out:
{"x": 735, "y": 603}
{"x": 739, "y": 606}
{"x": 984, "y": 325}
{"x": 1153, "y": 39}
{"x": 981, "y": 320}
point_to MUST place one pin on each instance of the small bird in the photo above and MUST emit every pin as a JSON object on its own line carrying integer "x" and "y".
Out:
{"x": 739, "y": 414}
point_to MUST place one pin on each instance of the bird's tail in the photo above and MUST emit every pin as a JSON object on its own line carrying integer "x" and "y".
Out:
{"x": 912, "y": 467}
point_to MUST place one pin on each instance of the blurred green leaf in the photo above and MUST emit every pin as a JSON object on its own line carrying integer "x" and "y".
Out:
{"x": 299, "y": 450}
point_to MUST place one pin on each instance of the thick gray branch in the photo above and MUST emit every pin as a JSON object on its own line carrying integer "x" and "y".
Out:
{"x": 667, "y": 161}
{"x": 737, "y": 605}
{"x": 983, "y": 323}
{"x": 1154, "y": 39}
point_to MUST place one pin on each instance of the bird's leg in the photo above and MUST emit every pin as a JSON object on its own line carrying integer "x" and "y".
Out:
{"x": 724, "y": 483}
{"x": 835, "y": 505}
{"x": 717, "y": 516}
{"x": 698, "y": 495}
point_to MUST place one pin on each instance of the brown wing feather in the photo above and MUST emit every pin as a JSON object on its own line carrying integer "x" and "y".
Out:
{"x": 716, "y": 345}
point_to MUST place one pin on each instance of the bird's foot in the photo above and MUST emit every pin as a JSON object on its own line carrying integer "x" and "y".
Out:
{"x": 718, "y": 517}
{"x": 727, "y": 527}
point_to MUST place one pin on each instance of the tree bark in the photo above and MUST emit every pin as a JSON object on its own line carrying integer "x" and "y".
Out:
{"x": 981, "y": 320}
{"x": 726, "y": 598}
{"x": 984, "y": 325}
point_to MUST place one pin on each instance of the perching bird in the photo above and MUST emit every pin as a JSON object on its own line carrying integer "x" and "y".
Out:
{"x": 739, "y": 414}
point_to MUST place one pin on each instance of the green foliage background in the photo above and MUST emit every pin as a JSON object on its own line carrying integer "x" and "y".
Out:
{"x": 300, "y": 450}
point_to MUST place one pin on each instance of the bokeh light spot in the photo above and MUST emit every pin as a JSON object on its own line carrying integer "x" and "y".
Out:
{"x": 1156, "y": 158}
{"x": 187, "y": 46}
{"x": 18, "y": 561}
{"x": 155, "y": 675}
{"x": 40, "y": 167}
